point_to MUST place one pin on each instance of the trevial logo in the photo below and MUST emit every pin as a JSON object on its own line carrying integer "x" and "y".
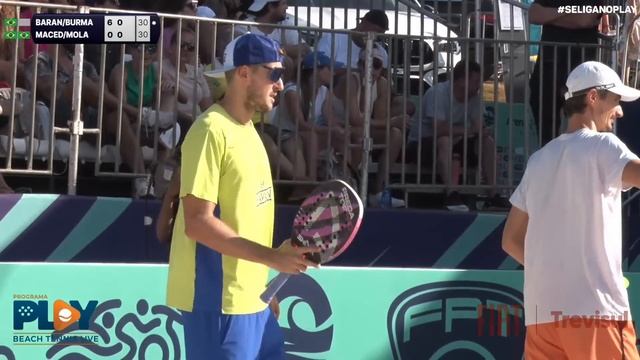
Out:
{"x": 305, "y": 318}
{"x": 440, "y": 321}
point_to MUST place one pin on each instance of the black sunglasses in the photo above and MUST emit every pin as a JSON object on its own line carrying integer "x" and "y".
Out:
{"x": 275, "y": 74}
{"x": 188, "y": 47}
{"x": 149, "y": 48}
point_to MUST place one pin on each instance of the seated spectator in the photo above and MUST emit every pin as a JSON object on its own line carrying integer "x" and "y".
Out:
{"x": 6, "y": 74}
{"x": 400, "y": 103}
{"x": 337, "y": 45}
{"x": 317, "y": 73}
{"x": 144, "y": 94}
{"x": 193, "y": 89}
{"x": 44, "y": 86}
{"x": 23, "y": 99}
{"x": 274, "y": 13}
{"x": 113, "y": 54}
{"x": 348, "y": 103}
{"x": 212, "y": 47}
{"x": 383, "y": 111}
{"x": 212, "y": 50}
{"x": 171, "y": 26}
{"x": 292, "y": 130}
{"x": 449, "y": 106}
{"x": 5, "y": 106}
{"x": 112, "y": 57}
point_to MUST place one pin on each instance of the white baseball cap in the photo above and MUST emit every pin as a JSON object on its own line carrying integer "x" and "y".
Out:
{"x": 596, "y": 75}
{"x": 260, "y": 4}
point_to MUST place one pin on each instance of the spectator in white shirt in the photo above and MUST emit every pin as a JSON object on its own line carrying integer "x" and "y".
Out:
{"x": 273, "y": 13}
{"x": 341, "y": 51}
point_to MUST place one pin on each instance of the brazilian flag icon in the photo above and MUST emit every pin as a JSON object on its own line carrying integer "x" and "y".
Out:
{"x": 10, "y": 22}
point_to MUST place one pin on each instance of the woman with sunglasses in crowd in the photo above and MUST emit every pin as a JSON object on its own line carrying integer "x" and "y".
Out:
{"x": 139, "y": 79}
{"x": 182, "y": 67}
{"x": 289, "y": 126}
{"x": 143, "y": 60}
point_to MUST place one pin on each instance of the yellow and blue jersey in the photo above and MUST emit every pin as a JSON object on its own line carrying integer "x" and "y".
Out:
{"x": 223, "y": 162}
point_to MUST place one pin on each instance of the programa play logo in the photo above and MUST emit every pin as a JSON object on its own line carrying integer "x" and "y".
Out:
{"x": 32, "y": 324}
{"x": 440, "y": 321}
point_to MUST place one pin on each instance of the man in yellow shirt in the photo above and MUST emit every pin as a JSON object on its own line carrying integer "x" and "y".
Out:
{"x": 219, "y": 266}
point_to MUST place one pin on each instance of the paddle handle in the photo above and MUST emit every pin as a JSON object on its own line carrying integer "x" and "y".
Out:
{"x": 273, "y": 287}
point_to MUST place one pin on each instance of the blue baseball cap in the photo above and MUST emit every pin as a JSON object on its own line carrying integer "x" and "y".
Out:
{"x": 319, "y": 59}
{"x": 248, "y": 49}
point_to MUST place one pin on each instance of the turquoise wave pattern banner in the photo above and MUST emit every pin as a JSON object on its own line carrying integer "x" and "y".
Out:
{"x": 98, "y": 311}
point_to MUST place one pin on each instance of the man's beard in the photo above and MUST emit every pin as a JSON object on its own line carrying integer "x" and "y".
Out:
{"x": 255, "y": 102}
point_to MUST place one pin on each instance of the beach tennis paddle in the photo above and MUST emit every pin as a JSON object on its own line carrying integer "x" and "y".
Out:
{"x": 329, "y": 218}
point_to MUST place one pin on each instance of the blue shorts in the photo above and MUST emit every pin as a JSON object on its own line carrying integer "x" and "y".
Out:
{"x": 211, "y": 335}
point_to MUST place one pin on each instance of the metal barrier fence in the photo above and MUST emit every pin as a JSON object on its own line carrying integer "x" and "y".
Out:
{"x": 374, "y": 134}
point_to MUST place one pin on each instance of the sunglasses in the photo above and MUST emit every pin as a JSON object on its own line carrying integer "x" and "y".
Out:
{"x": 188, "y": 47}
{"x": 149, "y": 49}
{"x": 275, "y": 74}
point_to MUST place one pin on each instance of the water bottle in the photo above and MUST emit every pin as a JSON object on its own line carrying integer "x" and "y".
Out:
{"x": 385, "y": 199}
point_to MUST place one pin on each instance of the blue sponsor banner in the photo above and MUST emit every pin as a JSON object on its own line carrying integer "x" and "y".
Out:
{"x": 117, "y": 230}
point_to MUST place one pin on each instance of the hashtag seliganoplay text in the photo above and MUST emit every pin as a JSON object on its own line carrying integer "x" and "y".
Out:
{"x": 595, "y": 9}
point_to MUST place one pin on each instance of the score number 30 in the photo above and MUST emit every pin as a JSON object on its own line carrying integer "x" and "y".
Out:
{"x": 143, "y": 22}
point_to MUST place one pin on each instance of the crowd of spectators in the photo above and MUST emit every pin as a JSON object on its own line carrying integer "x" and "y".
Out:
{"x": 149, "y": 95}
{"x": 138, "y": 89}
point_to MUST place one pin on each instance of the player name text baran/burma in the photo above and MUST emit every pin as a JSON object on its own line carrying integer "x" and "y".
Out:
{"x": 64, "y": 22}
{"x": 61, "y": 35}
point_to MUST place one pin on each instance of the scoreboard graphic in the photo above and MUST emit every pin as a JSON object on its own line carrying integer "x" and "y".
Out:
{"x": 84, "y": 28}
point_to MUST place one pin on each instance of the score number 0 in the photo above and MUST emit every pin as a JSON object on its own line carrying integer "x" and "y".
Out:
{"x": 119, "y": 28}
{"x": 110, "y": 23}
